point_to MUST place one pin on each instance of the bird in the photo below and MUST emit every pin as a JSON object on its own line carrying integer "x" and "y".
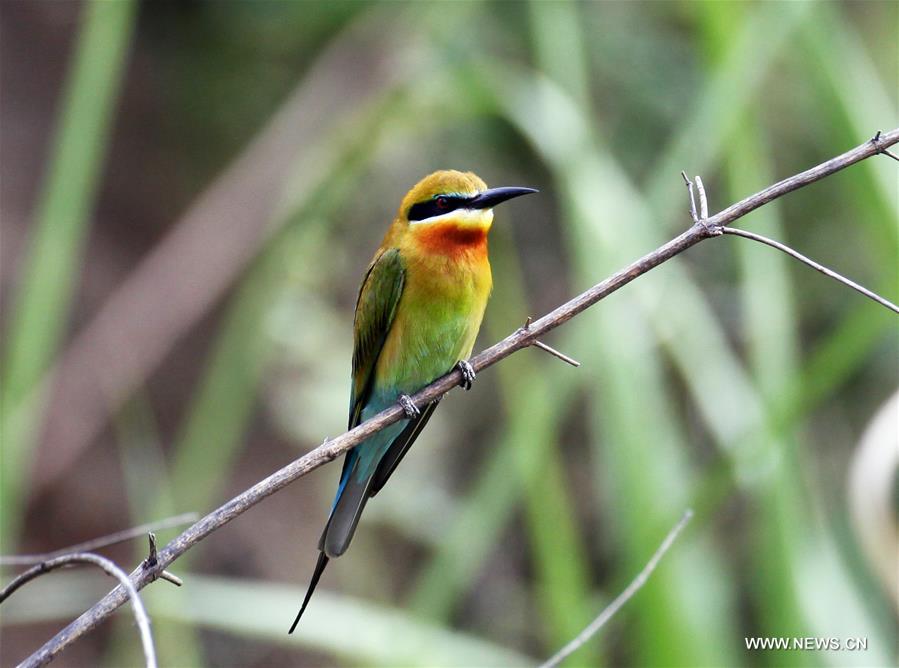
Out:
{"x": 418, "y": 312}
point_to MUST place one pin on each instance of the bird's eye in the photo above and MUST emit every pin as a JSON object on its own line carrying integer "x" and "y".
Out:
{"x": 442, "y": 203}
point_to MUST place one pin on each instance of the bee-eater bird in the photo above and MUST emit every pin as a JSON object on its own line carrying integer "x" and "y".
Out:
{"x": 417, "y": 315}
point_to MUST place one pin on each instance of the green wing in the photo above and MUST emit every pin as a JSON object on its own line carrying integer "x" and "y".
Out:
{"x": 375, "y": 308}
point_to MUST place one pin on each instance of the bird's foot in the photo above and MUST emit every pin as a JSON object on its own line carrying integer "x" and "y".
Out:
{"x": 468, "y": 374}
{"x": 409, "y": 408}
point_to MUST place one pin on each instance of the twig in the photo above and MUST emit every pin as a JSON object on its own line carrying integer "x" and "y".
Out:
{"x": 549, "y": 349}
{"x": 622, "y": 598}
{"x": 140, "y": 613}
{"x": 555, "y": 353}
{"x": 703, "y": 202}
{"x": 693, "y": 215}
{"x": 102, "y": 541}
{"x": 811, "y": 263}
{"x": 519, "y": 339}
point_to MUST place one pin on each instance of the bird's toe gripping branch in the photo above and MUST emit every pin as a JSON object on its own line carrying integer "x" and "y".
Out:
{"x": 468, "y": 374}
{"x": 409, "y": 408}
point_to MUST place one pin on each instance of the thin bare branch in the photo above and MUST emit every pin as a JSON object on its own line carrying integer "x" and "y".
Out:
{"x": 622, "y": 598}
{"x": 549, "y": 349}
{"x": 814, "y": 265}
{"x": 693, "y": 215}
{"x": 171, "y": 578}
{"x": 102, "y": 541}
{"x": 555, "y": 353}
{"x": 521, "y": 338}
{"x": 140, "y": 613}
{"x": 861, "y": 152}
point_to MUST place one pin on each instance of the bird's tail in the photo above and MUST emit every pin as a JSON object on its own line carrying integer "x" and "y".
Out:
{"x": 348, "y": 506}
{"x": 319, "y": 569}
{"x": 351, "y": 497}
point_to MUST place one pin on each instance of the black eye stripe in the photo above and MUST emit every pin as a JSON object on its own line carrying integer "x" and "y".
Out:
{"x": 432, "y": 207}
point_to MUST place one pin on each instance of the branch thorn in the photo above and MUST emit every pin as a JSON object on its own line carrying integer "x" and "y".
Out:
{"x": 151, "y": 560}
{"x": 876, "y": 141}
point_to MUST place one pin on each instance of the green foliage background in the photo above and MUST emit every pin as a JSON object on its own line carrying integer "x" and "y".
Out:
{"x": 730, "y": 380}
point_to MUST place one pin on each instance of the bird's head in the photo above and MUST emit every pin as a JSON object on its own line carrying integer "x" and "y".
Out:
{"x": 450, "y": 202}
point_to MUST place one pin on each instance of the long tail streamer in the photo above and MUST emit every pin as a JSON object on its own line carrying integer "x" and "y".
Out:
{"x": 319, "y": 569}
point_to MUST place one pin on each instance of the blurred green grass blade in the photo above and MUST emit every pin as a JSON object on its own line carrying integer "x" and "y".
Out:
{"x": 771, "y": 333}
{"x": 638, "y": 457}
{"x": 681, "y": 314}
{"x": 357, "y": 632}
{"x": 144, "y": 466}
{"x": 149, "y": 495}
{"x": 634, "y": 458}
{"x": 866, "y": 102}
{"x": 208, "y": 442}
{"x": 862, "y": 104}
{"x": 558, "y": 44}
{"x": 769, "y": 310}
{"x": 640, "y": 464}
{"x": 557, "y": 547}
{"x": 563, "y": 586}
{"x": 49, "y": 272}
{"x": 770, "y": 330}
{"x": 856, "y": 102}
{"x": 487, "y": 508}
{"x": 353, "y": 630}
{"x": 837, "y": 610}
{"x": 831, "y": 363}
{"x": 753, "y": 48}
{"x": 792, "y": 546}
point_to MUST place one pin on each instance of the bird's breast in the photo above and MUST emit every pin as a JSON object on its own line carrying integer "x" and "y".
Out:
{"x": 437, "y": 319}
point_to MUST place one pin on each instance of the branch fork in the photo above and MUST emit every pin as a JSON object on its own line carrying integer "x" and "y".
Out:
{"x": 152, "y": 561}
{"x": 702, "y": 217}
{"x": 542, "y": 346}
{"x": 880, "y": 148}
{"x": 715, "y": 227}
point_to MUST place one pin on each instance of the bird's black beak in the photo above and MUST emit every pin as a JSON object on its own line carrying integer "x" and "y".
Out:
{"x": 492, "y": 197}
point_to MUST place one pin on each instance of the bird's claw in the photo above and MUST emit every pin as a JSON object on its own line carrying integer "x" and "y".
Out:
{"x": 409, "y": 408}
{"x": 468, "y": 374}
